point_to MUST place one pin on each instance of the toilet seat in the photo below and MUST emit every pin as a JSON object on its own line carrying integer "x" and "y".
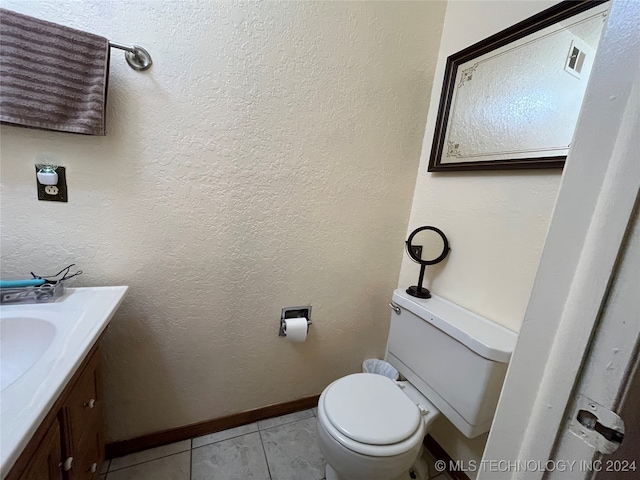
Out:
{"x": 371, "y": 409}
{"x": 369, "y": 414}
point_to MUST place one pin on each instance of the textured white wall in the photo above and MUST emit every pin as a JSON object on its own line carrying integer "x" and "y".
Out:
{"x": 267, "y": 159}
{"x": 496, "y": 222}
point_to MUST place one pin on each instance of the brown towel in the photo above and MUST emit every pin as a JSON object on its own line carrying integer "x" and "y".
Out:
{"x": 51, "y": 76}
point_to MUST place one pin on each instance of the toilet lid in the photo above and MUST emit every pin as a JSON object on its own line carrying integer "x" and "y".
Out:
{"x": 371, "y": 409}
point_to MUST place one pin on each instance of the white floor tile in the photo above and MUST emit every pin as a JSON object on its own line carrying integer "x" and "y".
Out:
{"x": 224, "y": 435}
{"x": 173, "y": 467}
{"x": 239, "y": 458}
{"x": 292, "y": 451}
{"x": 280, "y": 448}
{"x": 292, "y": 417}
{"x": 147, "y": 455}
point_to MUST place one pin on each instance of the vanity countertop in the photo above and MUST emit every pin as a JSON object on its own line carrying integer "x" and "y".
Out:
{"x": 64, "y": 331}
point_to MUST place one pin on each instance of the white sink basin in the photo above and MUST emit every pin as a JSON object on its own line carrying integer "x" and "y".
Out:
{"x": 41, "y": 347}
{"x": 23, "y": 340}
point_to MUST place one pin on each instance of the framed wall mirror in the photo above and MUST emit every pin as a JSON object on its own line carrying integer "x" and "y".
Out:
{"x": 512, "y": 100}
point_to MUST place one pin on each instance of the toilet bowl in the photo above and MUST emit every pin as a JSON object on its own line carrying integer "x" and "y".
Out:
{"x": 371, "y": 428}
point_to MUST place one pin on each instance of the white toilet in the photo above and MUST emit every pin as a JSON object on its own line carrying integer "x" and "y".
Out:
{"x": 372, "y": 428}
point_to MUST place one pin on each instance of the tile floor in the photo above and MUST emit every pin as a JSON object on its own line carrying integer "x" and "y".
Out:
{"x": 280, "y": 448}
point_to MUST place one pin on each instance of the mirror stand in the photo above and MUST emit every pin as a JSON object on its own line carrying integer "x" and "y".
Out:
{"x": 418, "y": 290}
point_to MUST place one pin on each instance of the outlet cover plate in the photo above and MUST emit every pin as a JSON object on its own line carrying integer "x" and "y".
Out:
{"x": 61, "y": 196}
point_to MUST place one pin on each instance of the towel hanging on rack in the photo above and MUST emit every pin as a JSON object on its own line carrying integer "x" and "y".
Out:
{"x": 53, "y": 77}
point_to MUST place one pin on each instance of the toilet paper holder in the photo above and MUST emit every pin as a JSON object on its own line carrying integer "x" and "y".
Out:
{"x": 294, "y": 312}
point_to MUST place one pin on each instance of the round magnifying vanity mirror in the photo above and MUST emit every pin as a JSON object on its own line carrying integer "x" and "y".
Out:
{"x": 426, "y": 246}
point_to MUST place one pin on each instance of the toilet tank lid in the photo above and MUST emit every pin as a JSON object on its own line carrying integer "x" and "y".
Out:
{"x": 486, "y": 338}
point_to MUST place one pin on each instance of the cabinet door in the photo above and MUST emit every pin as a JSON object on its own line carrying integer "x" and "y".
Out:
{"x": 81, "y": 415}
{"x": 88, "y": 460}
{"x": 46, "y": 464}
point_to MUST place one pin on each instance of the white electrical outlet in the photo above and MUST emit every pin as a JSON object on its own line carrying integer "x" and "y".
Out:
{"x": 48, "y": 191}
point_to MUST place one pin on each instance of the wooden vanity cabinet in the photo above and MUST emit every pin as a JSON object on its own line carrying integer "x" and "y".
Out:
{"x": 69, "y": 444}
{"x": 82, "y": 421}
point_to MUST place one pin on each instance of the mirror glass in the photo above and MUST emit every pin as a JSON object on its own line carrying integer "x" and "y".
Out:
{"x": 516, "y": 105}
{"x": 427, "y": 246}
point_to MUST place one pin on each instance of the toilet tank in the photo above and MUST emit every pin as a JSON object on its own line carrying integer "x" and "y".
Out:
{"x": 454, "y": 357}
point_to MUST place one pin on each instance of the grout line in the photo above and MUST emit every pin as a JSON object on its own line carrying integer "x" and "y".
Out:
{"x": 218, "y": 441}
{"x": 285, "y": 423}
{"x": 147, "y": 461}
{"x": 264, "y": 451}
{"x": 190, "y": 459}
{"x": 282, "y": 424}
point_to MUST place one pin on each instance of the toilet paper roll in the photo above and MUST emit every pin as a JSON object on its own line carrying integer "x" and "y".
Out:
{"x": 296, "y": 329}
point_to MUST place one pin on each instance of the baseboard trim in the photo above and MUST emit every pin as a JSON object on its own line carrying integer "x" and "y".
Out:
{"x": 438, "y": 452}
{"x": 157, "y": 439}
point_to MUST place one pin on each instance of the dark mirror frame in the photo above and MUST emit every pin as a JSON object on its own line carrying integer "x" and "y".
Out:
{"x": 544, "y": 19}
{"x": 441, "y": 257}
{"x": 418, "y": 290}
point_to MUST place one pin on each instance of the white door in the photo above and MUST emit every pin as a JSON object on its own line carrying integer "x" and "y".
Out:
{"x": 576, "y": 302}
{"x": 609, "y": 382}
